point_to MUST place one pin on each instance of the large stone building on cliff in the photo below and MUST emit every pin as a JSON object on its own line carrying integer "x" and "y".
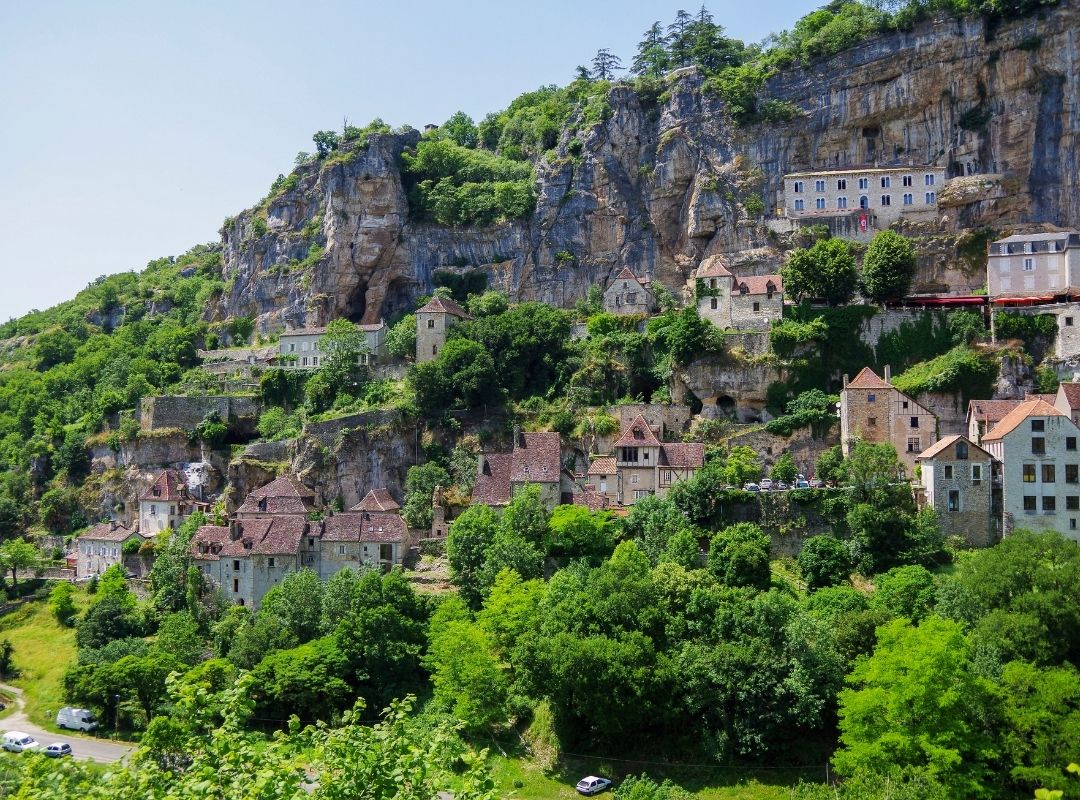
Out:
{"x": 535, "y": 459}
{"x": 433, "y": 322}
{"x": 873, "y": 410}
{"x": 1034, "y": 265}
{"x": 299, "y": 348}
{"x": 750, "y": 303}
{"x": 165, "y": 504}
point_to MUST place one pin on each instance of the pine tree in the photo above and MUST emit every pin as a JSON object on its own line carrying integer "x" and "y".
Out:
{"x": 652, "y": 55}
{"x": 679, "y": 38}
{"x": 605, "y": 65}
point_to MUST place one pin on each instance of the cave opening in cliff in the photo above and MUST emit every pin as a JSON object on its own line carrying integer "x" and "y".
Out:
{"x": 726, "y": 406}
{"x": 356, "y": 303}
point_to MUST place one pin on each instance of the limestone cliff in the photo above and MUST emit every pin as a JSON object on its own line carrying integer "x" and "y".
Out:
{"x": 658, "y": 185}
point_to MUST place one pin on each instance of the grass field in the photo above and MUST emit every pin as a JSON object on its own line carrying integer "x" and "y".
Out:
{"x": 43, "y": 652}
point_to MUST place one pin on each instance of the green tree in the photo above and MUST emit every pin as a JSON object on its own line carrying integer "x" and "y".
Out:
{"x": 467, "y": 543}
{"x": 308, "y": 681}
{"x": 739, "y": 556}
{"x": 297, "y": 601}
{"x": 62, "y": 603}
{"x": 463, "y": 375}
{"x": 888, "y": 266}
{"x": 171, "y": 563}
{"x": 460, "y": 129}
{"x": 826, "y": 271}
{"x": 178, "y": 635}
{"x": 401, "y": 338}
{"x": 828, "y": 466}
{"x": 784, "y": 469}
{"x": 420, "y": 483}
{"x": 17, "y": 554}
{"x": 576, "y": 532}
{"x": 526, "y": 516}
{"x": 326, "y": 142}
{"x": 917, "y": 703}
{"x": 109, "y": 618}
{"x": 604, "y": 65}
{"x": 905, "y": 591}
{"x": 651, "y": 522}
{"x": 341, "y": 371}
{"x": 652, "y": 55}
{"x": 824, "y": 561}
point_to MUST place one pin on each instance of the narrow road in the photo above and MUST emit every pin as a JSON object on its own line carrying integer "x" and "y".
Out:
{"x": 84, "y": 748}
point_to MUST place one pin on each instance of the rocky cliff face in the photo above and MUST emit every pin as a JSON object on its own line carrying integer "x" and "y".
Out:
{"x": 660, "y": 185}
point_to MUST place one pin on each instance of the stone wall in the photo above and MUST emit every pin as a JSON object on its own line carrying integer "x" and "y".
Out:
{"x": 802, "y": 446}
{"x": 185, "y": 413}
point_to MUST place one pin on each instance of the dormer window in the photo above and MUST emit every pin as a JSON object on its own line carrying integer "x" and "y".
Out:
{"x": 961, "y": 451}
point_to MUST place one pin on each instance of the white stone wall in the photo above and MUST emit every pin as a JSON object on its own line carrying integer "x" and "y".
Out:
{"x": 841, "y": 192}
{"x": 1016, "y": 451}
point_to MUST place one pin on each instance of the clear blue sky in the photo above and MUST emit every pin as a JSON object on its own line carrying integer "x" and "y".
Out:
{"x": 129, "y": 130}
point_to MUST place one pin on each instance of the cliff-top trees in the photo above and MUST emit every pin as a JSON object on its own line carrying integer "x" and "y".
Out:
{"x": 888, "y": 267}
{"x": 825, "y": 271}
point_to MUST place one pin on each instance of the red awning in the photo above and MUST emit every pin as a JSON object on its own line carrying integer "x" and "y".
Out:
{"x": 1028, "y": 300}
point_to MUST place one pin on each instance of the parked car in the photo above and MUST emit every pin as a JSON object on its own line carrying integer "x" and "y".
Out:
{"x": 800, "y": 477}
{"x": 781, "y": 485}
{"x": 592, "y": 785}
{"x": 815, "y": 483}
{"x": 751, "y": 487}
{"x": 801, "y": 484}
{"x": 765, "y": 484}
{"x": 17, "y": 742}
{"x": 58, "y": 750}
{"x": 75, "y": 719}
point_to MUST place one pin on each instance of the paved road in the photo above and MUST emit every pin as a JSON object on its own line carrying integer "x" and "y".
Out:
{"x": 84, "y": 748}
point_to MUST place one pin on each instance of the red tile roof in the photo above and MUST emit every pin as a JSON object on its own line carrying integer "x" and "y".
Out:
{"x": 1029, "y": 408}
{"x": 1046, "y": 398}
{"x": 759, "y": 284}
{"x": 591, "y": 499}
{"x": 991, "y": 410}
{"x": 377, "y": 500}
{"x": 1072, "y": 394}
{"x": 714, "y": 267}
{"x": 167, "y": 487}
{"x": 537, "y": 458}
{"x": 602, "y": 465}
{"x": 626, "y": 275}
{"x": 867, "y": 379}
{"x": 638, "y": 434}
{"x": 492, "y": 487}
{"x": 274, "y": 536}
{"x": 942, "y": 444}
{"x": 108, "y": 532}
{"x": 285, "y": 495}
{"x": 365, "y": 526}
{"x": 682, "y": 456}
{"x": 211, "y": 537}
{"x": 445, "y": 306}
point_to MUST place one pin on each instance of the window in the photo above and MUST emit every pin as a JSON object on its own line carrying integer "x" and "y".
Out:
{"x": 819, "y": 186}
{"x": 1029, "y": 502}
{"x": 270, "y": 562}
{"x": 928, "y": 179}
{"x": 629, "y": 454}
{"x": 931, "y": 198}
{"x": 292, "y": 348}
{"x": 886, "y": 182}
{"x": 1072, "y": 473}
{"x": 634, "y": 478}
{"x": 236, "y": 565}
{"x": 712, "y": 303}
{"x": 864, "y": 183}
{"x": 976, "y": 474}
{"x": 639, "y": 493}
{"x": 954, "y": 500}
{"x": 1029, "y": 473}
{"x": 841, "y": 202}
{"x": 1038, "y": 445}
{"x": 431, "y": 323}
{"x": 712, "y": 283}
{"x": 961, "y": 451}
{"x": 1029, "y": 247}
{"x": 1049, "y": 474}
{"x": 1072, "y": 524}
{"x": 1070, "y": 442}
{"x": 236, "y": 585}
{"x": 1068, "y": 322}
{"x": 153, "y": 509}
{"x": 798, "y": 187}
{"x": 434, "y": 349}
{"x": 1038, "y": 425}
{"x": 315, "y": 361}
{"x": 341, "y": 549}
{"x": 871, "y": 398}
{"x": 305, "y": 361}
{"x": 871, "y": 422}
{"x": 841, "y": 184}
{"x": 1072, "y": 502}
{"x": 914, "y": 422}
{"x": 886, "y": 200}
{"x": 1049, "y": 502}
{"x": 1029, "y": 264}
{"x": 798, "y": 205}
{"x": 303, "y": 346}
{"x": 757, "y": 307}
{"x": 819, "y": 204}
{"x": 864, "y": 202}
{"x": 908, "y": 199}
{"x": 948, "y": 472}
{"x": 907, "y": 180}
{"x": 914, "y": 444}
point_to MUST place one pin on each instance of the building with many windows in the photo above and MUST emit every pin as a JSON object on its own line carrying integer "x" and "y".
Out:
{"x": 101, "y": 546}
{"x": 1034, "y": 265}
{"x": 646, "y": 466}
{"x": 1036, "y": 445}
{"x": 299, "y": 348}
{"x": 165, "y": 504}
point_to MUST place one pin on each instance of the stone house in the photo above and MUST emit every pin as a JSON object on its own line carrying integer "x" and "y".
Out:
{"x": 957, "y": 481}
{"x": 628, "y": 294}
{"x": 165, "y": 504}
{"x": 299, "y": 348}
{"x": 1036, "y": 445}
{"x": 284, "y": 495}
{"x": 535, "y": 459}
{"x": 873, "y": 410}
{"x": 433, "y": 322}
{"x": 750, "y": 303}
{"x": 102, "y": 546}
{"x": 983, "y": 415}
{"x": 855, "y": 202}
{"x": 602, "y": 478}
{"x": 356, "y": 539}
{"x": 646, "y": 466}
{"x": 1067, "y": 401}
{"x": 1034, "y": 265}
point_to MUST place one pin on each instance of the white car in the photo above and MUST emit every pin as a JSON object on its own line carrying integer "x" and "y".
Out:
{"x": 592, "y": 785}
{"x": 17, "y": 742}
{"x": 765, "y": 484}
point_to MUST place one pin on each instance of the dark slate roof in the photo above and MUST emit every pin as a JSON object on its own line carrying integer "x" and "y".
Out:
{"x": 167, "y": 487}
{"x": 377, "y": 500}
{"x": 108, "y": 532}
{"x": 492, "y": 487}
{"x": 365, "y": 526}
{"x": 759, "y": 284}
{"x": 285, "y": 495}
{"x": 445, "y": 306}
{"x": 211, "y": 537}
{"x": 682, "y": 456}
{"x": 638, "y": 434}
{"x": 1072, "y": 394}
{"x": 537, "y": 458}
{"x": 991, "y": 410}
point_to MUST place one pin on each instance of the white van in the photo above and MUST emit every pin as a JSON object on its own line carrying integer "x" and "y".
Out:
{"x": 75, "y": 719}
{"x": 17, "y": 741}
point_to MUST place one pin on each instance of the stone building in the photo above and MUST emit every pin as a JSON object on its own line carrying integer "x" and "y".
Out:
{"x": 1036, "y": 445}
{"x": 957, "y": 481}
{"x": 356, "y": 539}
{"x": 858, "y": 201}
{"x": 165, "y": 504}
{"x": 983, "y": 415}
{"x": 282, "y": 496}
{"x": 628, "y": 294}
{"x": 535, "y": 459}
{"x": 602, "y": 478}
{"x": 1067, "y": 401}
{"x": 750, "y": 303}
{"x": 646, "y": 466}
{"x": 433, "y": 321}
{"x": 873, "y": 410}
{"x": 299, "y": 348}
{"x": 102, "y": 546}
{"x": 1034, "y": 265}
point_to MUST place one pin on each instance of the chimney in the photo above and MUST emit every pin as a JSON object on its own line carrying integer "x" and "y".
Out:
{"x": 845, "y": 381}
{"x": 112, "y": 524}
{"x": 519, "y": 437}
{"x": 888, "y": 373}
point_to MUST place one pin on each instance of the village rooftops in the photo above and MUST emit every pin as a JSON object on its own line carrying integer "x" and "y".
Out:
{"x": 319, "y": 331}
{"x": 1029, "y": 408}
{"x": 761, "y": 284}
{"x": 868, "y": 379}
{"x": 284, "y": 495}
{"x": 365, "y": 526}
{"x": 108, "y": 532}
{"x": 492, "y": 487}
{"x": 864, "y": 168}
{"x": 591, "y": 499}
{"x": 208, "y": 542}
{"x": 602, "y": 465}
{"x": 1020, "y": 238}
{"x": 167, "y": 487}
{"x": 443, "y": 305}
{"x": 269, "y": 536}
{"x": 537, "y": 458}
{"x": 714, "y": 267}
{"x": 625, "y": 274}
{"x": 682, "y": 456}
{"x": 943, "y": 444}
{"x": 377, "y": 500}
{"x": 638, "y": 434}
{"x": 1072, "y": 394}
{"x": 991, "y": 411}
